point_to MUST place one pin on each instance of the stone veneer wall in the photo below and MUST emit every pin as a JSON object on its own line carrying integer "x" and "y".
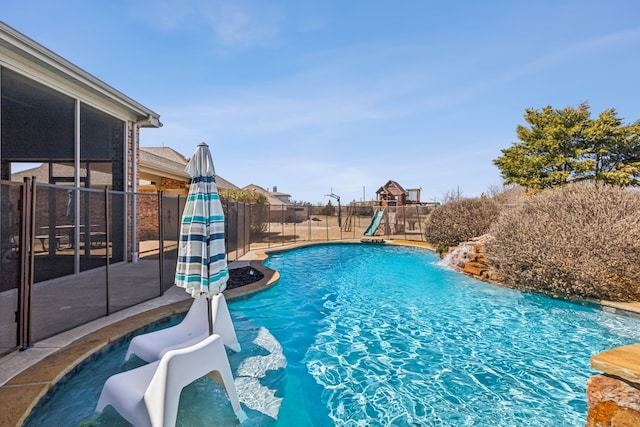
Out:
{"x": 612, "y": 402}
{"x": 468, "y": 257}
{"x": 614, "y": 397}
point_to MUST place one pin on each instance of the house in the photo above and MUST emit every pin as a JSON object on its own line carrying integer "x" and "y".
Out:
{"x": 82, "y": 217}
{"x": 159, "y": 169}
{"x": 392, "y": 194}
{"x": 84, "y": 134}
{"x": 163, "y": 169}
{"x": 280, "y": 207}
{"x": 283, "y": 197}
{"x": 45, "y": 171}
{"x": 78, "y": 136}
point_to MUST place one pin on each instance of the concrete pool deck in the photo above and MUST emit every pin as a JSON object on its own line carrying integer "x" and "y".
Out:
{"x": 27, "y": 376}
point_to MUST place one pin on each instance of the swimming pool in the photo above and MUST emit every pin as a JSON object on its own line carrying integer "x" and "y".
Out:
{"x": 379, "y": 335}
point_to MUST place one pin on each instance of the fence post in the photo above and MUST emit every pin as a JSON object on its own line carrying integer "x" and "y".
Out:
{"x": 420, "y": 225}
{"x": 237, "y": 231}
{"x": 107, "y": 241}
{"x": 178, "y": 219}
{"x": 353, "y": 220}
{"x": 239, "y": 227}
{"x": 294, "y": 224}
{"x": 308, "y": 223}
{"x": 27, "y": 233}
{"x": 340, "y": 219}
{"x": 226, "y": 225}
{"x": 249, "y": 236}
{"x": 326, "y": 225}
{"x": 32, "y": 238}
{"x": 404, "y": 221}
{"x": 161, "y": 239}
{"x": 247, "y": 228}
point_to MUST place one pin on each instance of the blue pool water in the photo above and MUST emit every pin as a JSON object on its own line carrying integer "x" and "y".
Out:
{"x": 378, "y": 335}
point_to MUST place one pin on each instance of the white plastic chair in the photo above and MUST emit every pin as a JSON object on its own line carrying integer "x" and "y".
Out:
{"x": 192, "y": 329}
{"x": 148, "y": 396}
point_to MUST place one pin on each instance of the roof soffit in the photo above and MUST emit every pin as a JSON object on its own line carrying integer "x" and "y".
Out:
{"x": 35, "y": 61}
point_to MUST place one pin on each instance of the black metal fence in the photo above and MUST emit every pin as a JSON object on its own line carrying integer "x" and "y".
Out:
{"x": 67, "y": 256}
{"x": 278, "y": 225}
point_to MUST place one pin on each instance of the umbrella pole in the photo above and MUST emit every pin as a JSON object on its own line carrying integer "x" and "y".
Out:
{"x": 210, "y": 316}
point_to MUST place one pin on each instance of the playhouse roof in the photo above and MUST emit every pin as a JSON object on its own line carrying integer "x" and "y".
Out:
{"x": 391, "y": 187}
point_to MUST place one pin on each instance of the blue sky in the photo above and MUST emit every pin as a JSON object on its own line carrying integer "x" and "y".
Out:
{"x": 343, "y": 95}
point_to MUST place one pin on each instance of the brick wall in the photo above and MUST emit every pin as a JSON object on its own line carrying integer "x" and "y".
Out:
{"x": 173, "y": 184}
{"x": 148, "y": 222}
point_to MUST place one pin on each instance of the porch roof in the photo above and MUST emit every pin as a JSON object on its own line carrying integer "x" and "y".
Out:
{"x": 24, "y": 55}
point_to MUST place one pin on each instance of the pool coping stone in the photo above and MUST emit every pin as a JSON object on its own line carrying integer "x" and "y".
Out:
{"x": 622, "y": 362}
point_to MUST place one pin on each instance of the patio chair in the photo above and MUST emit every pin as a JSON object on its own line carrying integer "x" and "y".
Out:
{"x": 192, "y": 329}
{"x": 148, "y": 396}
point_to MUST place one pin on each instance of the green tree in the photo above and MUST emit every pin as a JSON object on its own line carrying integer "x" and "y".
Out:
{"x": 613, "y": 150}
{"x": 327, "y": 209}
{"x": 563, "y": 145}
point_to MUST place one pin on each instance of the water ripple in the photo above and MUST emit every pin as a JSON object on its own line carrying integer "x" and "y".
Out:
{"x": 404, "y": 341}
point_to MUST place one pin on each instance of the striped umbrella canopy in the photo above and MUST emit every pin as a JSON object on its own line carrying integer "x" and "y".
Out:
{"x": 202, "y": 259}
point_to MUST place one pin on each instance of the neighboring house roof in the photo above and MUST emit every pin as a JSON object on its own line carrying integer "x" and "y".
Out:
{"x": 271, "y": 199}
{"x": 166, "y": 162}
{"x": 279, "y": 194}
{"x": 41, "y": 173}
{"x": 166, "y": 153}
{"x": 28, "y": 57}
{"x": 153, "y": 162}
{"x": 223, "y": 184}
{"x": 283, "y": 197}
{"x": 391, "y": 187}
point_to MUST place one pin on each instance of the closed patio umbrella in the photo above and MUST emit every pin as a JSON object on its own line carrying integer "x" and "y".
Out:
{"x": 202, "y": 260}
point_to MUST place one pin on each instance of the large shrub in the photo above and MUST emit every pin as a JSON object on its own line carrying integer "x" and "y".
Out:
{"x": 579, "y": 240}
{"x": 259, "y": 207}
{"x": 460, "y": 220}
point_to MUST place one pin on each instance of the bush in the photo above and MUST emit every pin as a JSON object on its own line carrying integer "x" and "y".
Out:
{"x": 579, "y": 240}
{"x": 459, "y": 221}
{"x": 259, "y": 207}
